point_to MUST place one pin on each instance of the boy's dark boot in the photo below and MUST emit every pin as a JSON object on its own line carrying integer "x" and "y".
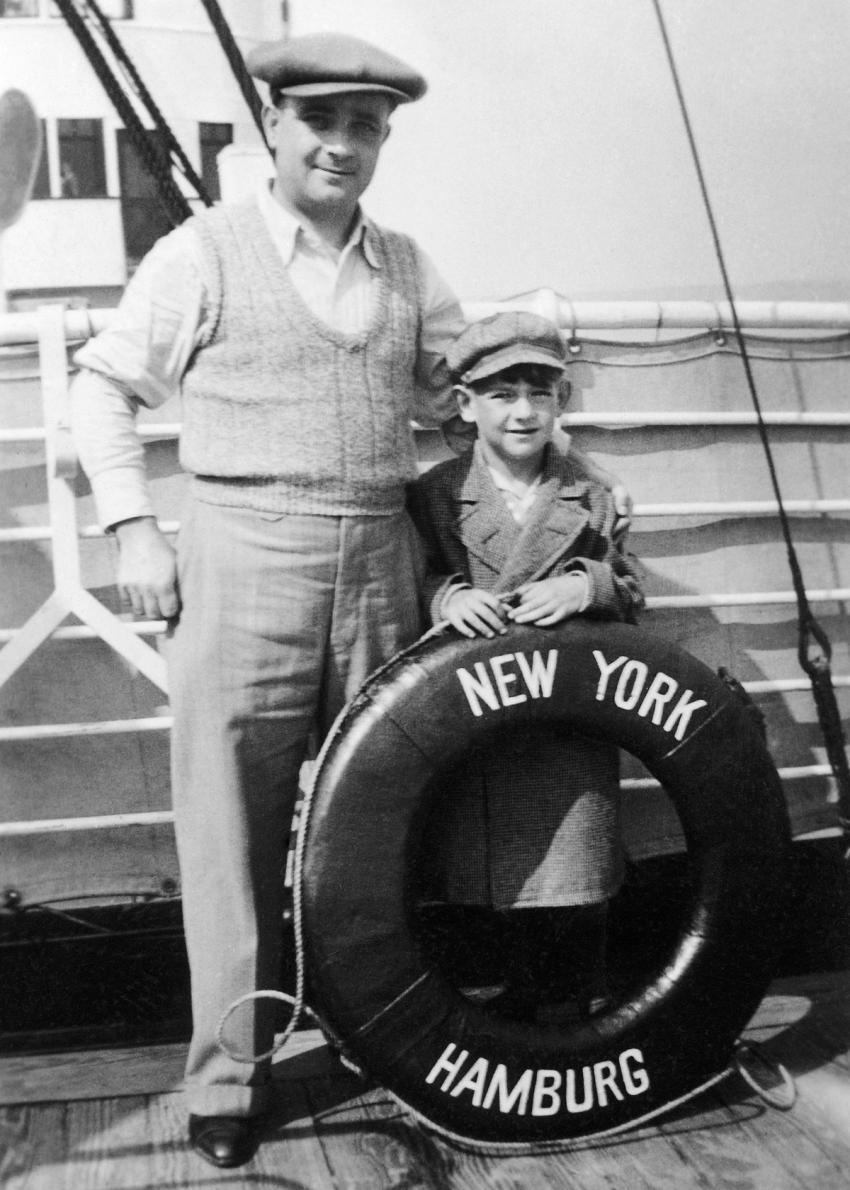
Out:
{"x": 555, "y": 962}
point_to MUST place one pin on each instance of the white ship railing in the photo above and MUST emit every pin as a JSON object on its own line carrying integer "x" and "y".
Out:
{"x": 23, "y": 327}
{"x": 69, "y": 596}
{"x": 52, "y": 327}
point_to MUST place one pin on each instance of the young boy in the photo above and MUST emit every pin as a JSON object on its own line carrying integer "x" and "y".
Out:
{"x": 514, "y": 534}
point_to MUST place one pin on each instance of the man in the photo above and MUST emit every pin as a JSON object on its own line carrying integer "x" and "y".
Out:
{"x": 302, "y": 338}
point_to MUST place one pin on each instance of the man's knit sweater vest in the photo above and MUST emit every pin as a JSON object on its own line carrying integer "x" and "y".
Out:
{"x": 283, "y": 413}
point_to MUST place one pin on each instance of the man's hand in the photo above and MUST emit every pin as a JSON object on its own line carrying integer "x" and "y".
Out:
{"x": 550, "y": 600}
{"x": 147, "y": 569}
{"x": 474, "y": 612}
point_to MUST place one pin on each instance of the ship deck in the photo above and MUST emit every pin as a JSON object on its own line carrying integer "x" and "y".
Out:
{"x": 113, "y": 1119}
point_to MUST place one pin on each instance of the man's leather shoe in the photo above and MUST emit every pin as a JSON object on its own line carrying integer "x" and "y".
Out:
{"x": 224, "y": 1141}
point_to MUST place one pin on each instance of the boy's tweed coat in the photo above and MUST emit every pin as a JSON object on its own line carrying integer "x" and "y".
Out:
{"x": 534, "y": 821}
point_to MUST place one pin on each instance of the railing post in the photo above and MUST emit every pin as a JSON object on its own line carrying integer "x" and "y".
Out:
{"x": 69, "y": 597}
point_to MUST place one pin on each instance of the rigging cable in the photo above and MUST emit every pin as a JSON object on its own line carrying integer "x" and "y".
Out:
{"x": 173, "y": 201}
{"x": 813, "y": 647}
{"x": 171, "y": 142}
{"x": 237, "y": 64}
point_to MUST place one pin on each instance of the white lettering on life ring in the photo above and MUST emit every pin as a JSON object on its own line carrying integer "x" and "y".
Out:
{"x": 508, "y": 679}
{"x": 513, "y": 678}
{"x": 545, "y": 1091}
{"x": 634, "y": 690}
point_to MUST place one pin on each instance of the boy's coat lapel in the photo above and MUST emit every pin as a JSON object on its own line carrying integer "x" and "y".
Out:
{"x": 484, "y": 526}
{"x": 557, "y": 520}
{"x": 491, "y": 536}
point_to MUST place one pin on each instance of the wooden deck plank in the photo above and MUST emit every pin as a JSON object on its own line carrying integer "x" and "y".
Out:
{"x": 30, "y": 1140}
{"x": 725, "y": 1159}
{"x": 109, "y": 1144}
{"x": 790, "y": 1147}
{"x": 371, "y": 1141}
{"x": 291, "y": 1154}
{"x": 330, "y": 1130}
{"x": 822, "y": 1110}
{"x": 146, "y": 1070}
{"x": 364, "y": 1144}
{"x": 367, "y": 1139}
{"x": 91, "y": 1074}
{"x": 755, "y": 1149}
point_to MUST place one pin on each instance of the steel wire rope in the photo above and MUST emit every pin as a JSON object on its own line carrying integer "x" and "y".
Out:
{"x": 237, "y": 64}
{"x": 814, "y": 650}
{"x": 117, "y": 47}
{"x": 172, "y": 200}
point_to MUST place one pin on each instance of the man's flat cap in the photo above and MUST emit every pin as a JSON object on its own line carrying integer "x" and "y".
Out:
{"x": 325, "y": 63}
{"x": 502, "y": 340}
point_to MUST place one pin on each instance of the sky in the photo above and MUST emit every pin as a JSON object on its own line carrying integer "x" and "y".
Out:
{"x": 550, "y": 150}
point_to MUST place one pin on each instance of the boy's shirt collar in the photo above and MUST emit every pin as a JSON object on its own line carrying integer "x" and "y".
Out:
{"x": 470, "y": 484}
{"x": 519, "y": 487}
{"x": 516, "y": 487}
{"x": 518, "y": 496}
{"x": 286, "y": 229}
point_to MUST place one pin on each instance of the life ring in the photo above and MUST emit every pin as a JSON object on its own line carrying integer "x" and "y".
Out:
{"x": 457, "y": 1067}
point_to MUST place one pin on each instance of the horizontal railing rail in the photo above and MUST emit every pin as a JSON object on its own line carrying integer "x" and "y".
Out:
{"x": 94, "y": 727}
{"x": 22, "y": 327}
{"x": 707, "y": 600}
{"x": 95, "y": 822}
{"x": 690, "y": 508}
{"x": 635, "y": 419}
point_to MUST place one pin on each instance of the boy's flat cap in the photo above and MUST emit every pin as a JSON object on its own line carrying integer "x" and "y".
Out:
{"x": 324, "y": 63}
{"x": 502, "y": 340}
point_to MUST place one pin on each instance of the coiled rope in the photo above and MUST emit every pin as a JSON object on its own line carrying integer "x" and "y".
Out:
{"x": 814, "y": 650}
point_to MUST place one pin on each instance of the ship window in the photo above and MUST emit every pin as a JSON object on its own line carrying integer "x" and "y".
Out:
{"x": 81, "y": 164}
{"x": 18, "y": 8}
{"x": 213, "y": 138}
{"x": 41, "y": 185}
{"x": 116, "y": 10}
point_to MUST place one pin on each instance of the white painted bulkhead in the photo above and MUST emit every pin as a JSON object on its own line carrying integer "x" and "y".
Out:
{"x": 71, "y": 244}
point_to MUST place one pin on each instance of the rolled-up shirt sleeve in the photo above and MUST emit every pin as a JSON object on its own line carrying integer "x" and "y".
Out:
{"x": 110, "y": 450}
{"x": 139, "y": 360}
{"x": 442, "y": 321}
